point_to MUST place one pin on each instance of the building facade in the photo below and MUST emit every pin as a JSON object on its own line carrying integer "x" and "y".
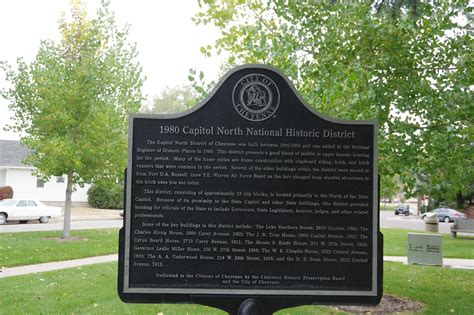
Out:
{"x": 14, "y": 173}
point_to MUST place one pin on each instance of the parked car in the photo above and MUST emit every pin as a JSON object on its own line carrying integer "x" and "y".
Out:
{"x": 402, "y": 209}
{"x": 23, "y": 210}
{"x": 446, "y": 214}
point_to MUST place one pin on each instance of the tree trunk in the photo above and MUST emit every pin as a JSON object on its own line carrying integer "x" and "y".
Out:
{"x": 67, "y": 208}
{"x": 419, "y": 202}
{"x": 459, "y": 200}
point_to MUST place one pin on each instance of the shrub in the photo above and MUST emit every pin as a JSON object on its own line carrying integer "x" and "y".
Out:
{"x": 6, "y": 192}
{"x": 106, "y": 196}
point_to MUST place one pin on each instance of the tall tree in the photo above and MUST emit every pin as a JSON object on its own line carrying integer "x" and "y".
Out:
{"x": 173, "y": 100}
{"x": 71, "y": 103}
{"x": 405, "y": 64}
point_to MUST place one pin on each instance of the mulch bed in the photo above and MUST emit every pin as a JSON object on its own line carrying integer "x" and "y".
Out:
{"x": 469, "y": 212}
{"x": 390, "y": 304}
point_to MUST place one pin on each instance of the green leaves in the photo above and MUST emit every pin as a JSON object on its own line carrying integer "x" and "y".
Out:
{"x": 405, "y": 64}
{"x": 72, "y": 102}
{"x": 175, "y": 99}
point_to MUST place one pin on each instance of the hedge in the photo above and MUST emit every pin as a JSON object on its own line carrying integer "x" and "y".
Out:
{"x": 106, "y": 196}
{"x": 6, "y": 192}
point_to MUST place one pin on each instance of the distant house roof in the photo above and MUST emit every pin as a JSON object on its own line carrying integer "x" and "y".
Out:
{"x": 12, "y": 153}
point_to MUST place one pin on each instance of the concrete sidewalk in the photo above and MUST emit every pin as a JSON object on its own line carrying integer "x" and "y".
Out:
{"x": 57, "y": 265}
{"x": 23, "y": 270}
{"x": 454, "y": 263}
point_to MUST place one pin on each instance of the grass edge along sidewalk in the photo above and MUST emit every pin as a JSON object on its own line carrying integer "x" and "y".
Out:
{"x": 58, "y": 265}
{"x": 92, "y": 289}
{"x": 30, "y": 248}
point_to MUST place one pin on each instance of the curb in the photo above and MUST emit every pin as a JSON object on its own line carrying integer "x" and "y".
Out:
{"x": 88, "y": 217}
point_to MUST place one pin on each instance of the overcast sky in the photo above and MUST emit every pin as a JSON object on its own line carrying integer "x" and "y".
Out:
{"x": 168, "y": 41}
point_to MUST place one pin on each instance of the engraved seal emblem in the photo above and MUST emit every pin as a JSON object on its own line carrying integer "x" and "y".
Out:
{"x": 256, "y": 97}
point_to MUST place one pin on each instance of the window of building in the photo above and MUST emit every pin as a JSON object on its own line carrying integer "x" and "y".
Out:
{"x": 39, "y": 183}
{"x": 59, "y": 179}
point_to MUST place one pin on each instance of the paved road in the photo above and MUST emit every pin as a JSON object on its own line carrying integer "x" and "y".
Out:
{"x": 412, "y": 222}
{"x": 76, "y": 224}
{"x": 387, "y": 219}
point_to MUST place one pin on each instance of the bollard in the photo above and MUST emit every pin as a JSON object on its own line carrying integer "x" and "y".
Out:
{"x": 431, "y": 223}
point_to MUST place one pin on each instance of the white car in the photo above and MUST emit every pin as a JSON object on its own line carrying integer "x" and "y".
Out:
{"x": 24, "y": 210}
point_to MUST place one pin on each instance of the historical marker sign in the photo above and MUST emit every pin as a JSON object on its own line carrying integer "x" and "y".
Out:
{"x": 425, "y": 249}
{"x": 251, "y": 194}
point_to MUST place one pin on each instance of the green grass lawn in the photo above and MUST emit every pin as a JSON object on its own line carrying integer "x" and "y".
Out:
{"x": 92, "y": 290}
{"x": 39, "y": 247}
{"x": 85, "y": 290}
{"x": 442, "y": 290}
{"x": 395, "y": 244}
{"x": 28, "y": 248}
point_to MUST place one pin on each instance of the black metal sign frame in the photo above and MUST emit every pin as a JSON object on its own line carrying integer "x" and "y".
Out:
{"x": 293, "y": 201}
